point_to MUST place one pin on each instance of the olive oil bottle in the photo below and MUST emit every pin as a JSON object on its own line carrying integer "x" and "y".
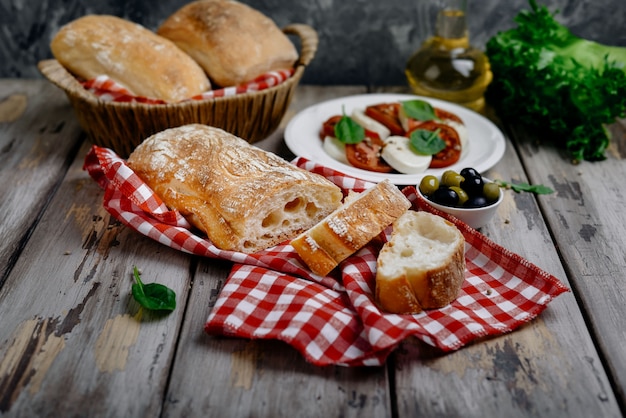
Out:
{"x": 447, "y": 67}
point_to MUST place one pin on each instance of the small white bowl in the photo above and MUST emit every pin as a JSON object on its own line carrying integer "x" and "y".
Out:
{"x": 474, "y": 217}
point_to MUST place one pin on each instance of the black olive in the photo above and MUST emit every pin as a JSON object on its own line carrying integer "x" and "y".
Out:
{"x": 445, "y": 196}
{"x": 469, "y": 172}
{"x": 473, "y": 186}
{"x": 476, "y": 202}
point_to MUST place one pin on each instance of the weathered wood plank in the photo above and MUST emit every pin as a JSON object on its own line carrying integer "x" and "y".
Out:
{"x": 237, "y": 377}
{"x": 233, "y": 377}
{"x": 549, "y": 367}
{"x": 586, "y": 217}
{"x": 73, "y": 341}
{"x": 73, "y": 337}
{"x": 38, "y": 131}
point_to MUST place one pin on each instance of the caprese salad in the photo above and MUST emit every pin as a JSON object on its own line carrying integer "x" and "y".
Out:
{"x": 407, "y": 137}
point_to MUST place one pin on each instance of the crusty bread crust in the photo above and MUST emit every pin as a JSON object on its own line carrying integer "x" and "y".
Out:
{"x": 442, "y": 284}
{"x": 146, "y": 64}
{"x": 360, "y": 219}
{"x": 244, "y": 198}
{"x": 396, "y": 296}
{"x": 233, "y": 42}
{"x": 314, "y": 256}
{"x": 422, "y": 266}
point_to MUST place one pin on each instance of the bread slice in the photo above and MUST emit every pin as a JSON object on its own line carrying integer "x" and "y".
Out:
{"x": 361, "y": 218}
{"x": 422, "y": 266}
{"x": 244, "y": 198}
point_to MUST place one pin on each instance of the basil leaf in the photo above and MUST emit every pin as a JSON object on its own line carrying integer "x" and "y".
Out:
{"x": 153, "y": 296}
{"x": 426, "y": 142}
{"x": 419, "y": 109}
{"x": 525, "y": 187}
{"x": 348, "y": 131}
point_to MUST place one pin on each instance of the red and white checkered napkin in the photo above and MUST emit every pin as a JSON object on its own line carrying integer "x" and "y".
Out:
{"x": 109, "y": 90}
{"x": 334, "y": 320}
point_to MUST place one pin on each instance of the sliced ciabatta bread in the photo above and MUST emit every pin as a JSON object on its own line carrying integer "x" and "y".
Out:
{"x": 356, "y": 222}
{"x": 422, "y": 266}
{"x": 244, "y": 198}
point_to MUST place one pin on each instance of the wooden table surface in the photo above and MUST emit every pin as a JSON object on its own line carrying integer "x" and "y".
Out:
{"x": 73, "y": 342}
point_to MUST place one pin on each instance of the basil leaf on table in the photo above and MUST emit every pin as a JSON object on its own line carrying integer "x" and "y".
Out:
{"x": 426, "y": 142}
{"x": 153, "y": 296}
{"x": 419, "y": 109}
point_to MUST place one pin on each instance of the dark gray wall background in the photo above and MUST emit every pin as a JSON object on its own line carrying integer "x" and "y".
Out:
{"x": 361, "y": 41}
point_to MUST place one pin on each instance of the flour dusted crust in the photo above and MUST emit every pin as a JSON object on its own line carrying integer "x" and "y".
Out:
{"x": 351, "y": 226}
{"x": 146, "y": 64}
{"x": 422, "y": 266}
{"x": 233, "y": 42}
{"x": 244, "y": 198}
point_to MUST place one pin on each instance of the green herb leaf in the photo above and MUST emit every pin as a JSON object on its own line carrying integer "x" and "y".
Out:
{"x": 525, "y": 187}
{"x": 348, "y": 131}
{"x": 153, "y": 296}
{"x": 419, "y": 109}
{"x": 426, "y": 142}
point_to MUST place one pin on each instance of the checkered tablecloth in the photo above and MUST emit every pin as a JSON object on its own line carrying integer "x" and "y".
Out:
{"x": 333, "y": 320}
{"x": 109, "y": 90}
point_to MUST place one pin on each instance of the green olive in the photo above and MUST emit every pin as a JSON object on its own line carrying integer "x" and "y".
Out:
{"x": 451, "y": 178}
{"x": 461, "y": 193}
{"x": 491, "y": 191}
{"x": 428, "y": 185}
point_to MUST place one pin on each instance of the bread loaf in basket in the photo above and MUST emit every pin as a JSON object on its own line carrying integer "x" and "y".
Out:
{"x": 122, "y": 126}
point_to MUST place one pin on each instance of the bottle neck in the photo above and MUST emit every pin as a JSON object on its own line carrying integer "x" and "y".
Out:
{"x": 451, "y": 26}
{"x": 451, "y": 23}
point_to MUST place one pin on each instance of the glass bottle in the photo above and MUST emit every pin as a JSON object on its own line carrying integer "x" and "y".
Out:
{"x": 446, "y": 66}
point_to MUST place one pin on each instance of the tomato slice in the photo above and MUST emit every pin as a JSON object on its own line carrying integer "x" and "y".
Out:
{"x": 452, "y": 152}
{"x": 328, "y": 127}
{"x": 366, "y": 156}
{"x": 374, "y": 137}
{"x": 445, "y": 115}
{"x": 387, "y": 114}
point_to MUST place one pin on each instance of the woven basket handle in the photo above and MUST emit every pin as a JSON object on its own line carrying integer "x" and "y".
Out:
{"x": 308, "y": 38}
{"x": 60, "y": 77}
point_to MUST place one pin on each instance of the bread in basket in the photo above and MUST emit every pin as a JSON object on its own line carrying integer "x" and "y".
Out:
{"x": 121, "y": 126}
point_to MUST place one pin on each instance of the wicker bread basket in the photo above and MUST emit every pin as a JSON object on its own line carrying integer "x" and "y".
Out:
{"x": 122, "y": 126}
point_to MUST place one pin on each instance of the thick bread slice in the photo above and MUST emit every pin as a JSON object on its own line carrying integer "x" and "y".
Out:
{"x": 146, "y": 64}
{"x": 361, "y": 218}
{"x": 422, "y": 266}
{"x": 244, "y": 198}
{"x": 233, "y": 42}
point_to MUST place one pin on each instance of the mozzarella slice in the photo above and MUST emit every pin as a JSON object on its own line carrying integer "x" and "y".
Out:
{"x": 335, "y": 148}
{"x": 370, "y": 124}
{"x": 399, "y": 155}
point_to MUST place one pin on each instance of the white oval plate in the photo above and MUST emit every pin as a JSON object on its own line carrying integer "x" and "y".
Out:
{"x": 485, "y": 148}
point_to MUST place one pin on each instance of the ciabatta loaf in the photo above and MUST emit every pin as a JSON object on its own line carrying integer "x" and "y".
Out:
{"x": 244, "y": 198}
{"x": 146, "y": 64}
{"x": 233, "y": 42}
{"x": 360, "y": 218}
{"x": 422, "y": 266}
